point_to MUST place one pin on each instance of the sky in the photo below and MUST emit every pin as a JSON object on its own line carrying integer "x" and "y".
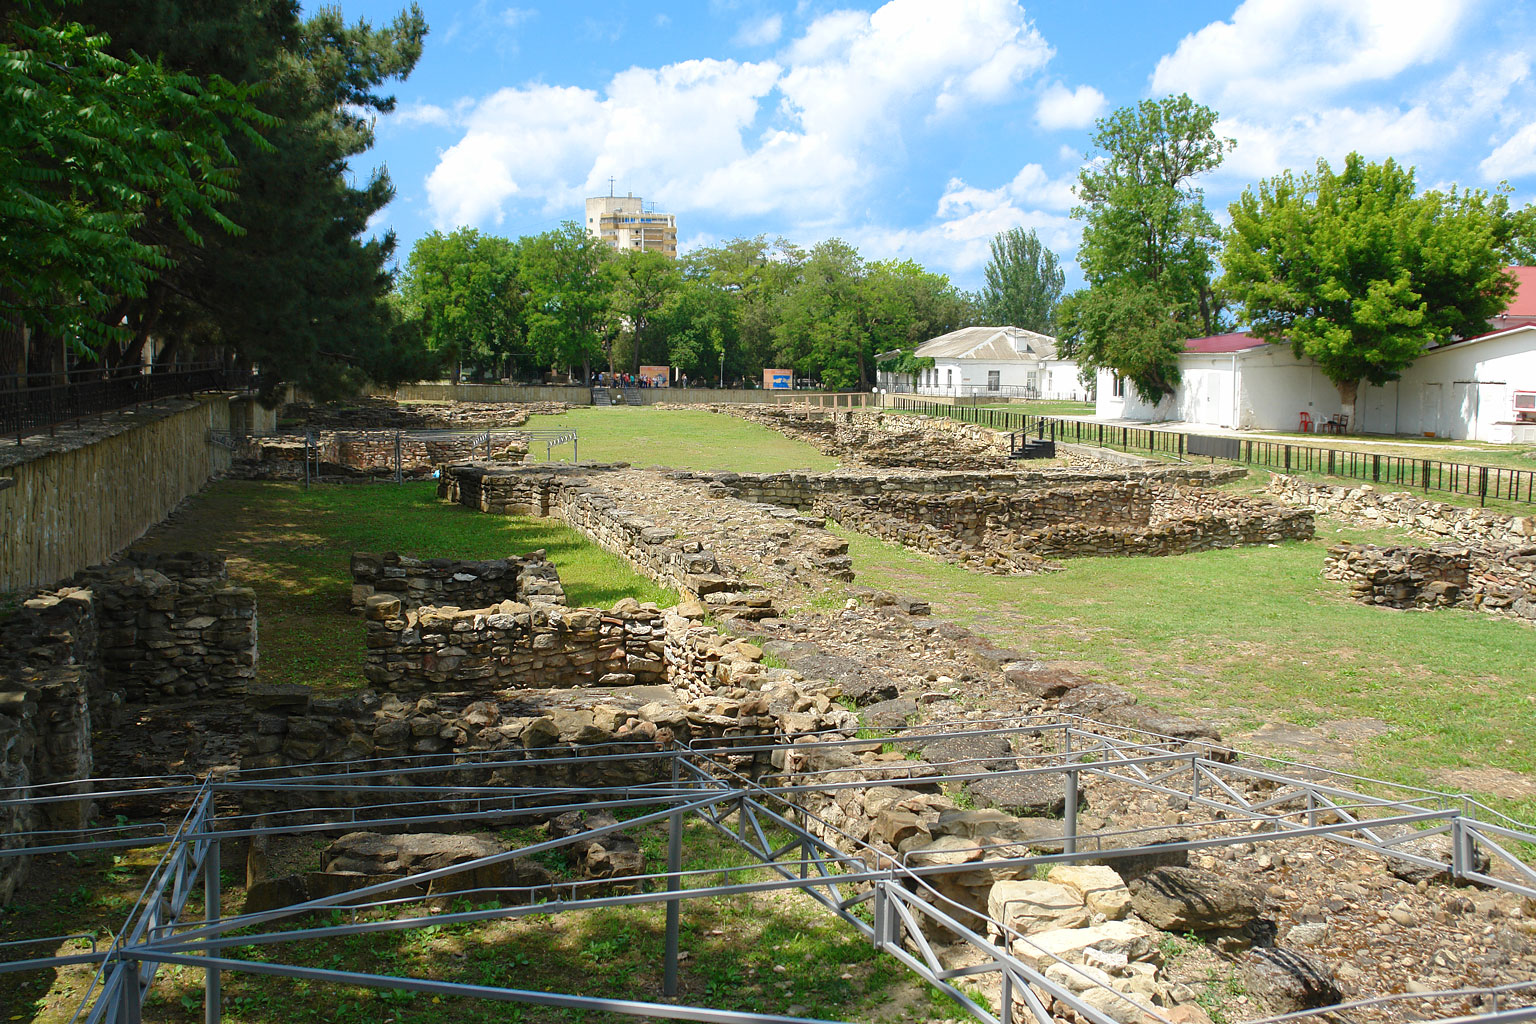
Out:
{"x": 921, "y": 128}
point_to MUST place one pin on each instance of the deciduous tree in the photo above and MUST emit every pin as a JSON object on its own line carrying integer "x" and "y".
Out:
{"x": 1361, "y": 273}
{"x": 1024, "y": 281}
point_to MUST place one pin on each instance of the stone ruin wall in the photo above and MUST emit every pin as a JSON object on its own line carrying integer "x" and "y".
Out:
{"x": 150, "y": 627}
{"x": 1495, "y": 580}
{"x": 803, "y": 490}
{"x": 1012, "y": 522}
{"x": 1364, "y": 503}
{"x": 568, "y": 492}
{"x": 1486, "y": 560}
{"x": 505, "y": 645}
{"x": 529, "y": 579}
{"x": 173, "y": 625}
{"x": 882, "y": 439}
{"x": 534, "y": 684}
{"x": 49, "y": 670}
{"x": 353, "y": 453}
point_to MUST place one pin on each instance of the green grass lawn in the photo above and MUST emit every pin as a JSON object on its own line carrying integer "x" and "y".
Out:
{"x": 1245, "y": 636}
{"x": 293, "y": 547}
{"x": 678, "y": 438}
{"x": 1044, "y": 407}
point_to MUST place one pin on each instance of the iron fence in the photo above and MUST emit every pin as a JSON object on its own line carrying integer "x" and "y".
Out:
{"x": 1427, "y": 475}
{"x": 34, "y": 403}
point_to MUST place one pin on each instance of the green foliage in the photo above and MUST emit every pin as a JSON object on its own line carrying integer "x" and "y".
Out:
{"x": 93, "y": 150}
{"x": 568, "y": 296}
{"x": 302, "y": 294}
{"x": 464, "y": 291}
{"x": 643, "y": 282}
{"x": 820, "y": 324}
{"x": 1024, "y": 281}
{"x": 1147, "y": 240}
{"x": 1362, "y": 274}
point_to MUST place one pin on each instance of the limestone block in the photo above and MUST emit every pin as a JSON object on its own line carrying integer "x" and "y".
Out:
{"x": 1102, "y": 888}
{"x": 1034, "y": 906}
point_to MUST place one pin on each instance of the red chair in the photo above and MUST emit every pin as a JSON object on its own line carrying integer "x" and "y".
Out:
{"x": 1306, "y": 423}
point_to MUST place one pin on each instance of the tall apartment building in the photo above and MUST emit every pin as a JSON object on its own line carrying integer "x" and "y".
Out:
{"x": 623, "y": 223}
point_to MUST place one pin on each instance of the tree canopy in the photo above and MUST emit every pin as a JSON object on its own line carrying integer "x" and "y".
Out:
{"x": 1147, "y": 240}
{"x": 94, "y": 148}
{"x": 1361, "y": 273}
{"x": 1024, "y": 282}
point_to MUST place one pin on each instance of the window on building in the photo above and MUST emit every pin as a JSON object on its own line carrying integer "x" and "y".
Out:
{"x": 1119, "y": 388}
{"x": 949, "y": 378}
{"x": 994, "y": 380}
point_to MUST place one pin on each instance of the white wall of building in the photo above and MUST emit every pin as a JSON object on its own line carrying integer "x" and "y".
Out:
{"x": 1051, "y": 378}
{"x": 1463, "y": 392}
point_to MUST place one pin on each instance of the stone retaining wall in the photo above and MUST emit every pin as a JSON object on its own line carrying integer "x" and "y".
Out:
{"x": 1493, "y": 579}
{"x": 529, "y": 579}
{"x": 1399, "y": 508}
{"x": 78, "y": 498}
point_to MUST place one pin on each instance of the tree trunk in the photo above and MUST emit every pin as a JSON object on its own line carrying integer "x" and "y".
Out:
{"x": 1348, "y": 392}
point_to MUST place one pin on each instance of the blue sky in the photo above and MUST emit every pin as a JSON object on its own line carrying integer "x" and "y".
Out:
{"x": 919, "y": 128}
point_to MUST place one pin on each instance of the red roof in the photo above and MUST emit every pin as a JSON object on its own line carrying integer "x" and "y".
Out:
{"x": 1220, "y": 343}
{"x": 1524, "y": 302}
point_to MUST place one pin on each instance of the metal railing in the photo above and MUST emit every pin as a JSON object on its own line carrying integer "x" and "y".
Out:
{"x": 1427, "y": 475}
{"x": 34, "y": 403}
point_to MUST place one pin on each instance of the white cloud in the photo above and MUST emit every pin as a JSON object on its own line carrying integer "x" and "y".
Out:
{"x": 762, "y": 32}
{"x": 1282, "y": 54}
{"x": 1060, "y": 107}
{"x": 412, "y": 114}
{"x": 705, "y": 135}
{"x": 482, "y": 23}
{"x": 1514, "y": 158}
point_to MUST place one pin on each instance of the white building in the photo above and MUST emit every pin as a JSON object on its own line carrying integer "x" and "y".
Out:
{"x": 1008, "y": 362}
{"x": 1481, "y": 388}
{"x": 625, "y": 224}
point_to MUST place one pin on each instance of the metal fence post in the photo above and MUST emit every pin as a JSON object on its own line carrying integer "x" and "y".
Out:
{"x": 1069, "y": 815}
{"x": 674, "y": 906}
{"x": 212, "y": 996}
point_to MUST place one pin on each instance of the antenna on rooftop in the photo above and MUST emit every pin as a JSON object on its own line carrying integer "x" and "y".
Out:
{"x": 610, "y": 186}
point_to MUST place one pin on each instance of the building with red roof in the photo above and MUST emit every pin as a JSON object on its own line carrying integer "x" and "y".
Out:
{"x": 1479, "y": 388}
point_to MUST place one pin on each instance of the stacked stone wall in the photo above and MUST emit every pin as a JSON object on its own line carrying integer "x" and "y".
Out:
{"x": 678, "y": 562}
{"x": 173, "y": 625}
{"x": 510, "y": 645}
{"x": 1007, "y": 533}
{"x": 803, "y": 490}
{"x": 524, "y": 704}
{"x": 367, "y": 453}
{"x": 1399, "y": 508}
{"x": 49, "y": 671}
{"x": 1497, "y": 579}
{"x": 529, "y": 579}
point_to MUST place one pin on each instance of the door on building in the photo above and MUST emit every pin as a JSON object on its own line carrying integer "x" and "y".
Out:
{"x": 1429, "y": 410}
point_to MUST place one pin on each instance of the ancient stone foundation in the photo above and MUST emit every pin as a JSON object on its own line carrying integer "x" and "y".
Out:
{"x": 1366, "y": 504}
{"x": 532, "y": 684}
{"x": 151, "y": 627}
{"x": 528, "y": 579}
{"x": 573, "y": 494}
{"x": 1500, "y": 580}
{"x": 367, "y": 453}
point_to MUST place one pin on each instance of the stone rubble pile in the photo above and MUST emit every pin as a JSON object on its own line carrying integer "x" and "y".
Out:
{"x": 354, "y": 454}
{"x": 528, "y": 579}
